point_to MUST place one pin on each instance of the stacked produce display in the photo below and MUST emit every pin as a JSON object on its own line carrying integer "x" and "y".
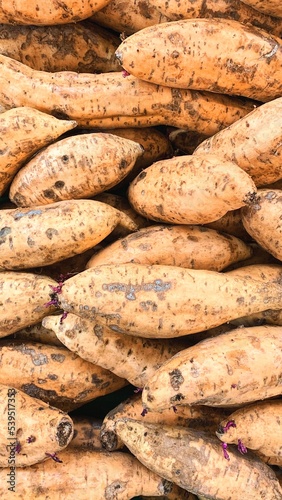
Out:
{"x": 140, "y": 250}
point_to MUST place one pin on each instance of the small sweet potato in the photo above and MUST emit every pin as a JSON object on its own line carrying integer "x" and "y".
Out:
{"x": 191, "y": 189}
{"x": 30, "y": 428}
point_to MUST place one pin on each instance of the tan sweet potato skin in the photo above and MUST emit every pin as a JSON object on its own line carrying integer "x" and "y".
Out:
{"x": 189, "y": 54}
{"x": 45, "y": 234}
{"x": 85, "y": 475}
{"x": 33, "y": 426}
{"x": 23, "y": 298}
{"x": 37, "y": 13}
{"x": 235, "y": 368}
{"x": 161, "y": 301}
{"x": 54, "y": 374}
{"x": 190, "y": 189}
{"x": 25, "y": 130}
{"x": 273, "y": 7}
{"x": 132, "y": 358}
{"x": 258, "y": 426}
{"x": 195, "y": 247}
{"x": 75, "y": 167}
{"x": 78, "y": 96}
{"x": 195, "y": 417}
{"x": 253, "y": 142}
{"x": 263, "y": 221}
{"x": 86, "y": 433}
{"x": 228, "y": 9}
{"x": 80, "y": 47}
{"x": 194, "y": 460}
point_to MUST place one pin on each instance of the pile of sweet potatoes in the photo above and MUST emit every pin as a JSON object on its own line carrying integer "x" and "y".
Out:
{"x": 140, "y": 250}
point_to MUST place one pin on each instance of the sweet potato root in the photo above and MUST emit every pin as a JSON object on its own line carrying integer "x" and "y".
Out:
{"x": 195, "y": 247}
{"x": 82, "y": 47}
{"x": 79, "y": 166}
{"x": 54, "y": 374}
{"x": 253, "y": 142}
{"x": 25, "y": 130}
{"x": 45, "y": 234}
{"x": 258, "y": 427}
{"x": 245, "y": 12}
{"x": 165, "y": 54}
{"x": 195, "y": 417}
{"x": 272, "y": 7}
{"x": 132, "y": 358}
{"x": 161, "y": 301}
{"x": 81, "y": 475}
{"x": 235, "y": 368}
{"x": 127, "y": 101}
{"x": 54, "y": 12}
{"x": 191, "y": 189}
{"x": 195, "y": 461}
{"x": 31, "y": 429}
{"x": 263, "y": 221}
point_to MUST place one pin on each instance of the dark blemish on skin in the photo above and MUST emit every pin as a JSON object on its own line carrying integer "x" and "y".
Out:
{"x": 50, "y": 232}
{"x": 59, "y": 184}
{"x": 60, "y": 358}
{"x": 49, "y": 194}
{"x": 63, "y": 433}
{"x": 176, "y": 379}
{"x": 178, "y": 397}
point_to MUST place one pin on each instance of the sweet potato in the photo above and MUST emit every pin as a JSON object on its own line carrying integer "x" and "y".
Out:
{"x": 83, "y": 47}
{"x": 54, "y": 374}
{"x": 195, "y": 247}
{"x": 161, "y": 301}
{"x": 253, "y": 142}
{"x": 258, "y": 427}
{"x": 191, "y": 189}
{"x": 53, "y": 12}
{"x": 78, "y": 166}
{"x": 191, "y": 54}
{"x": 132, "y": 358}
{"x": 263, "y": 221}
{"x": 235, "y": 368}
{"x": 196, "y": 417}
{"x": 185, "y": 141}
{"x": 130, "y": 16}
{"x": 228, "y": 9}
{"x": 81, "y": 475}
{"x": 24, "y": 131}
{"x": 231, "y": 223}
{"x": 127, "y": 101}
{"x": 272, "y": 7}
{"x": 30, "y": 429}
{"x": 42, "y": 235}
{"x": 23, "y": 299}
{"x": 194, "y": 460}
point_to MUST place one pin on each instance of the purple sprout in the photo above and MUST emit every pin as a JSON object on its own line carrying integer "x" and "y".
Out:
{"x": 144, "y": 412}
{"x": 18, "y": 447}
{"x": 125, "y": 73}
{"x": 64, "y": 315}
{"x": 225, "y": 453}
{"x": 174, "y": 409}
{"x": 31, "y": 439}
{"x": 230, "y": 423}
{"x": 54, "y": 457}
{"x": 241, "y": 447}
{"x": 138, "y": 390}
